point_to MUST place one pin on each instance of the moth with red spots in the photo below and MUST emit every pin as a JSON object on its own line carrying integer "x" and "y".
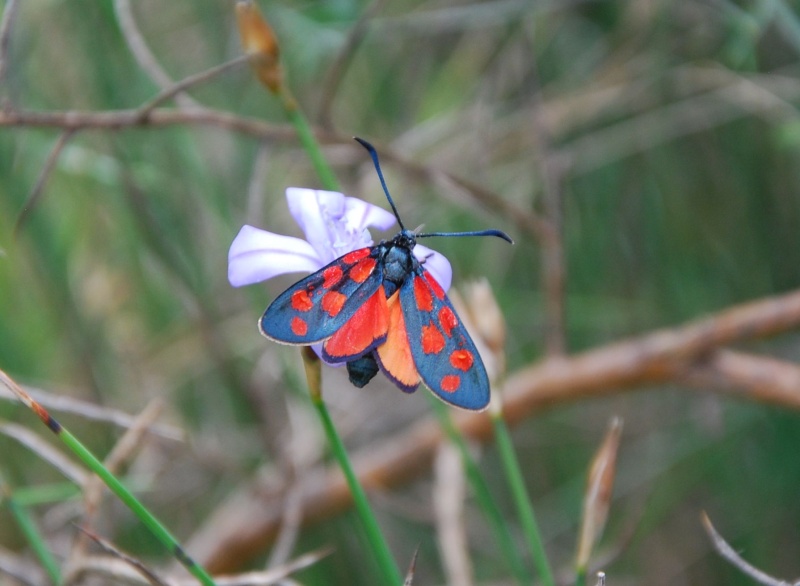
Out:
{"x": 378, "y": 308}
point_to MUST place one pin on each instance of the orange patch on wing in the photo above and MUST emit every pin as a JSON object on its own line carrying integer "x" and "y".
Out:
{"x": 356, "y": 255}
{"x": 369, "y": 323}
{"x": 299, "y": 326}
{"x": 461, "y": 359}
{"x": 301, "y": 301}
{"x": 450, "y": 383}
{"x": 448, "y": 320}
{"x": 332, "y": 276}
{"x": 422, "y": 295}
{"x": 432, "y": 339}
{"x": 362, "y": 270}
{"x": 395, "y": 353}
{"x": 435, "y": 287}
{"x": 332, "y": 302}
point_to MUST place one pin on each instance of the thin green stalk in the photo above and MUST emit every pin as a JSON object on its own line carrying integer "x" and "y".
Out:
{"x": 96, "y": 466}
{"x": 484, "y": 496}
{"x": 34, "y": 537}
{"x": 380, "y": 550}
{"x": 521, "y": 499}
{"x": 580, "y": 577}
{"x": 309, "y": 141}
{"x": 156, "y": 528}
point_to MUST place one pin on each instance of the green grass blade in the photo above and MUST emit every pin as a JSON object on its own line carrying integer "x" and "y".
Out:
{"x": 90, "y": 460}
{"x": 484, "y": 497}
{"x": 521, "y": 499}
{"x": 33, "y": 536}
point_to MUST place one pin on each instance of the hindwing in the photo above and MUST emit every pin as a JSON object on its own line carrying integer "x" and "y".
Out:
{"x": 443, "y": 352}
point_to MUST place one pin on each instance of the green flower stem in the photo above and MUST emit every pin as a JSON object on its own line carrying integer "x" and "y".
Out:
{"x": 145, "y": 516}
{"x": 521, "y": 499}
{"x": 580, "y": 576}
{"x": 35, "y": 539}
{"x": 308, "y": 140}
{"x": 380, "y": 550}
{"x": 483, "y": 496}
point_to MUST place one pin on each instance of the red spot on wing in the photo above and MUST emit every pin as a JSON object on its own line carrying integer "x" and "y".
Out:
{"x": 435, "y": 287}
{"x": 332, "y": 302}
{"x": 362, "y": 270}
{"x": 450, "y": 383}
{"x": 448, "y": 320}
{"x": 332, "y": 276}
{"x": 356, "y": 255}
{"x": 301, "y": 301}
{"x": 422, "y": 295}
{"x": 461, "y": 359}
{"x": 369, "y": 323}
{"x": 299, "y": 326}
{"x": 432, "y": 339}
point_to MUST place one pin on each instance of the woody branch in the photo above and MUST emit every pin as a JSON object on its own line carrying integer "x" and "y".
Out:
{"x": 694, "y": 354}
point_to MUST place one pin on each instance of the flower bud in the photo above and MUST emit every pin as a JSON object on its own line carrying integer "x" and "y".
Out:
{"x": 260, "y": 43}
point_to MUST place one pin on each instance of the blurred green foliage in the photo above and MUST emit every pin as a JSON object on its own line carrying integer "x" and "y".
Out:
{"x": 676, "y": 124}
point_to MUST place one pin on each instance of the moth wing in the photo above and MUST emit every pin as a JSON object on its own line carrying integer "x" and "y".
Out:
{"x": 444, "y": 354}
{"x": 314, "y": 308}
{"x": 366, "y": 329}
{"x": 394, "y": 356}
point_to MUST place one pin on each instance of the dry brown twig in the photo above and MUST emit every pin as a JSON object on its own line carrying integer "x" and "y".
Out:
{"x": 246, "y": 524}
{"x": 138, "y": 46}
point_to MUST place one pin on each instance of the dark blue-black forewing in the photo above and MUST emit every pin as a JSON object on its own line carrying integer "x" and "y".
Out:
{"x": 313, "y": 309}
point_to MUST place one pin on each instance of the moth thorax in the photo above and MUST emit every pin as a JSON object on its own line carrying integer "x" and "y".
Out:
{"x": 397, "y": 265}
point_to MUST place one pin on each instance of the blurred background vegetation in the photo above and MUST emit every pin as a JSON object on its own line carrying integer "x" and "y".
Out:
{"x": 668, "y": 130}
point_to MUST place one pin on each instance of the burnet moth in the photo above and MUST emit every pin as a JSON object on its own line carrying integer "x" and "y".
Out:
{"x": 378, "y": 308}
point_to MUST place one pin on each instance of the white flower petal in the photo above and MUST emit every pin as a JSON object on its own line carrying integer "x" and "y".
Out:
{"x": 316, "y": 212}
{"x": 361, "y": 215}
{"x": 436, "y": 264}
{"x": 256, "y": 255}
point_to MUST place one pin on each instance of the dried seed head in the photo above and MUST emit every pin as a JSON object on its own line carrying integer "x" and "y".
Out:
{"x": 597, "y": 499}
{"x": 486, "y": 315}
{"x": 261, "y": 44}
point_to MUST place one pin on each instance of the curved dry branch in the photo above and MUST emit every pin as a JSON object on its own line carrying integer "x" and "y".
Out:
{"x": 246, "y": 524}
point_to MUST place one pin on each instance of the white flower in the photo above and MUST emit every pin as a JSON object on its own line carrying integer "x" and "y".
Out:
{"x": 333, "y": 225}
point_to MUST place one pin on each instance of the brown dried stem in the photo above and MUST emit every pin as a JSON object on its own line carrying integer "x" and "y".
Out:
{"x": 246, "y": 524}
{"x": 727, "y": 552}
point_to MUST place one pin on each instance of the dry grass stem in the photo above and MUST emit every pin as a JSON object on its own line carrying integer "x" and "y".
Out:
{"x": 38, "y": 189}
{"x": 412, "y": 569}
{"x": 92, "y": 412}
{"x": 45, "y": 451}
{"x": 122, "y": 451}
{"x": 152, "y": 578}
{"x": 449, "y": 492}
{"x": 727, "y": 552}
{"x": 21, "y": 569}
{"x": 192, "y": 80}
{"x": 141, "y": 52}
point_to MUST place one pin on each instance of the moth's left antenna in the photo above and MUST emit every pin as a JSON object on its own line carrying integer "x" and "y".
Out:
{"x": 374, "y": 155}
